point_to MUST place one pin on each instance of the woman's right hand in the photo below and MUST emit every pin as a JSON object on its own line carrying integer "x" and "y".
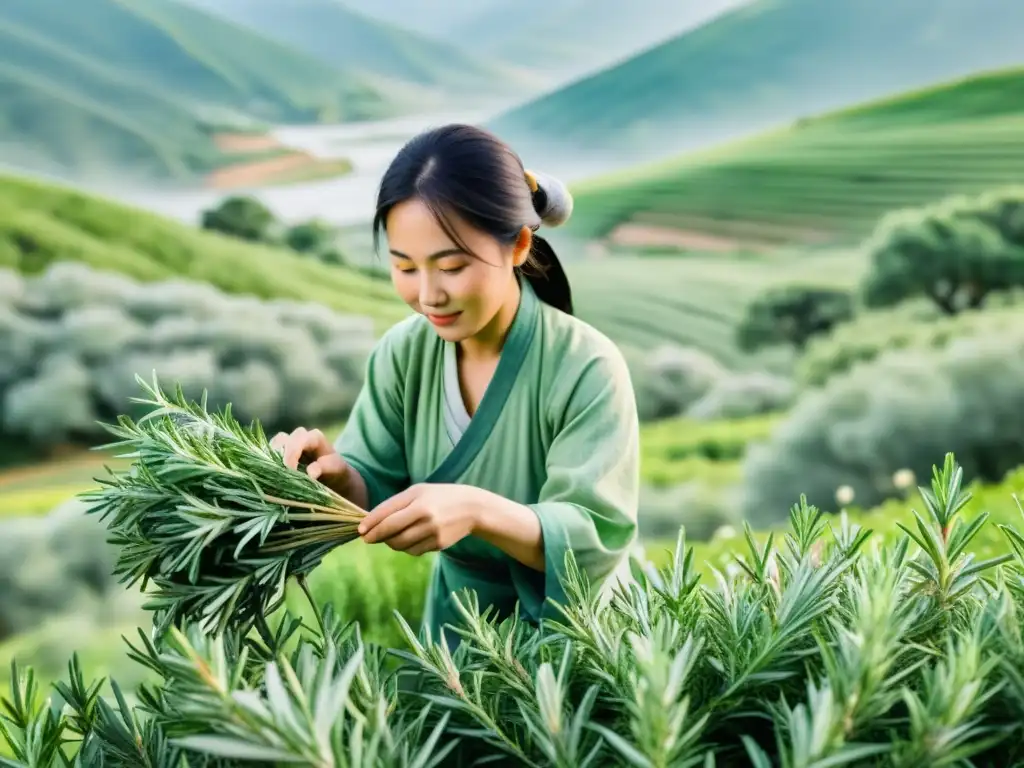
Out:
{"x": 325, "y": 463}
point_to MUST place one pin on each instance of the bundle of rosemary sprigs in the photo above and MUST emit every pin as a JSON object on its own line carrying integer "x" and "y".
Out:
{"x": 209, "y": 514}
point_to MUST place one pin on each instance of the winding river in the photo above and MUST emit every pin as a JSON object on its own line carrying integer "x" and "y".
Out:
{"x": 341, "y": 201}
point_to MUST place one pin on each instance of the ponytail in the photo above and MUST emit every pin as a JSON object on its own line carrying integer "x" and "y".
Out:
{"x": 553, "y": 204}
{"x": 545, "y": 274}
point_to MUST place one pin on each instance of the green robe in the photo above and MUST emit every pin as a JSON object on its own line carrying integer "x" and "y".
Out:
{"x": 557, "y": 430}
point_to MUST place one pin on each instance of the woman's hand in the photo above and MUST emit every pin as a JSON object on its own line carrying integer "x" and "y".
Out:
{"x": 325, "y": 463}
{"x": 425, "y": 518}
{"x": 428, "y": 518}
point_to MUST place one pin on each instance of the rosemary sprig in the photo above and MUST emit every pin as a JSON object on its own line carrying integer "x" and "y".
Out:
{"x": 209, "y": 514}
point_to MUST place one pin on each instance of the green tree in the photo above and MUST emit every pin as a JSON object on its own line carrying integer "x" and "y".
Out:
{"x": 333, "y": 256}
{"x": 956, "y": 253}
{"x": 240, "y": 216}
{"x": 792, "y": 314}
{"x": 314, "y": 237}
{"x": 1002, "y": 209}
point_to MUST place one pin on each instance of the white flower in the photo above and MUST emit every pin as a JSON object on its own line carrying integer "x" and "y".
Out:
{"x": 844, "y": 495}
{"x": 904, "y": 478}
{"x": 725, "y": 532}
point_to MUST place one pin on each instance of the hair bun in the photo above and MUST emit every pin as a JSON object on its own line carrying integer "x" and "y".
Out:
{"x": 551, "y": 199}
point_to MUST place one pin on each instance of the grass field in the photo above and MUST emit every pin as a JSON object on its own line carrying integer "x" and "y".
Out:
{"x": 691, "y": 300}
{"x": 825, "y": 180}
{"x": 42, "y": 223}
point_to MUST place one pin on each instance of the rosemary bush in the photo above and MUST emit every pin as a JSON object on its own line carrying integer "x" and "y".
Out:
{"x": 826, "y": 649}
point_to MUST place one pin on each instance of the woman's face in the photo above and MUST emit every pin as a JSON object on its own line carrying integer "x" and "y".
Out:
{"x": 459, "y": 293}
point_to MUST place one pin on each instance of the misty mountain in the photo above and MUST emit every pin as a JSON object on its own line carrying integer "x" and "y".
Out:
{"x": 441, "y": 19}
{"x": 571, "y": 38}
{"x": 560, "y": 39}
{"x": 765, "y": 64}
{"x": 355, "y": 42}
{"x": 143, "y": 84}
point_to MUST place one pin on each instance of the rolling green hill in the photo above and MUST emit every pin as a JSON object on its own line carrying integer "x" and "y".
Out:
{"x": 140, "y": 86}
{"x": 762, "y": 65}
{"x": 639, "y": 303}
{"x": 42, "y": 223}
{"x": 71, "y": 111}
{"x": 825, "y": 179}
{"x": 352, "y": 41}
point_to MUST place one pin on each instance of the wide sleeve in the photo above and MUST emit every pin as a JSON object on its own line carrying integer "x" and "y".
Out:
{"x": 588, "y": 502}
{"x": 373, "y": 439}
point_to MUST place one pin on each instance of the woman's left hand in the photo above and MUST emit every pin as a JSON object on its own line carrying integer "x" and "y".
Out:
{"x": 424, "y": 518}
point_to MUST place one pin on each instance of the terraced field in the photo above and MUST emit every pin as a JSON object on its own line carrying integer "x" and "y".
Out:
{"x": 694, "y": 300}
{"x": 825, "y": 180}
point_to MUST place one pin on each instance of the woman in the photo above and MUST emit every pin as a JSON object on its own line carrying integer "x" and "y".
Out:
{"x": 493, "y": 426}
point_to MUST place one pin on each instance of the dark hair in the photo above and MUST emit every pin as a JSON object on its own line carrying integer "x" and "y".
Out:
{"x": 470, "y": 172}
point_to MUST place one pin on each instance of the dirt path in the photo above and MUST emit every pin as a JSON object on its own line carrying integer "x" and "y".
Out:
{"x": 279, "y": 164}
{"x": 239, "y": 143}
{"x": 649, "y": 235}
{"x": 258, "y": 172}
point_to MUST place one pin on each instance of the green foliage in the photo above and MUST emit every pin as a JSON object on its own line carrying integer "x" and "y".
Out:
{"x": 309, "y": 237}
{"x": 891, "y": 414}
{"x": 821, "y": 650}
{"x": 907, "y": 326}
{"x": 335, "y": 257}
{"x": 793, "y": 314}
{"x": 956, "y": 252}
{"x": 671, "y": 379}
{"x": 77, "y": 336}
{"x": 54, "y": 565}
{"x": 210, "y": 515}
{"x": 46, "y": 223}
{"x": 829, "y": 178}
{"x": 1001, "y": 209}
{"x": 243, "y": 217}
{"x": 319, "y": 240}
{"x": 745, "y": 395}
